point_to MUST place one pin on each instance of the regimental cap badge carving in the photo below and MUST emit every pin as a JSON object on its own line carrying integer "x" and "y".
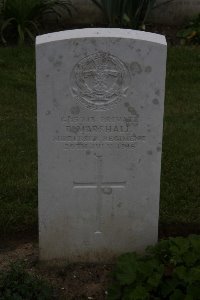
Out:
{"x": 99, "y": 81}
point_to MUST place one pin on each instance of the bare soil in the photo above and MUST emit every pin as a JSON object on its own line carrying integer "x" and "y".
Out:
{"x": 72, "y": 281}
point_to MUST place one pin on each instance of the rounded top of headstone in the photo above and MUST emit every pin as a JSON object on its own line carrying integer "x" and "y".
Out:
{"x": 101, "y": 33}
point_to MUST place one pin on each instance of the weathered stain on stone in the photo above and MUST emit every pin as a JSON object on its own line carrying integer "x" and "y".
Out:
{"x": 115, "y": 41}
{"x": 126, "y": 104}
{"x": 93, "y": 42}
{"x": 132, "y": 111}
{"x": 75, "y": 110}
{"x": 88, "y": 152}
{"x": 149, "y": 50}
{"x": 159, "y": 149}
{"x": 157, "y": 92}
{"x": 149, "y": 152}
{"x": 155, "y": 101}
{"x": 135, "y": 68}
{"x": 107, "y": 190}
{"x": 51, "y": 59}
{"x": 148, "y": 69}
{"x": 132, "y": 166}
{"x": 131, "y": 47}
{"x": 57, "y": 63}
{"x": 55, "y": 103}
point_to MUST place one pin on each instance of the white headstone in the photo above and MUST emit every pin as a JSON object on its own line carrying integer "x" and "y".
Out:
{"x": 100, "y": 115}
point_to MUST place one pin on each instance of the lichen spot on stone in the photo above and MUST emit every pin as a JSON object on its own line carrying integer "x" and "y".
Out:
{"x": 135, "y": 68}
{"x": 155, "y": 101}
{"x": 132, "y": 110}
{"x": 148, "y": 69}
{"x": 159, "y": 149}
{"x": 157, "y": 92}
{"x": 126, "y": 104}
{"x": 107, "y": 190}
{"x": 51, "y": 59}
{"x": 75, "y": 110}
{"x": 88, "y": 152}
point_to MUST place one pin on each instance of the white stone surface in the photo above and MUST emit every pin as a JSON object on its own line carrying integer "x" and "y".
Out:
{"x": 100, "y": 113}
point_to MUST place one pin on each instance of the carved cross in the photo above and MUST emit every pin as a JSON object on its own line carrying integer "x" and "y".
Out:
{"x": 100, "y": 186}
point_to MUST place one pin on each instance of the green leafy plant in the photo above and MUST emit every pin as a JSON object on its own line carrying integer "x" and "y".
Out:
{"x": 125, "y": 13}
{"x": 23, "y": 16}
{"x": 190, "y": 34}
{"x": 168, "y": 271}
{"x": 17, "y": 284}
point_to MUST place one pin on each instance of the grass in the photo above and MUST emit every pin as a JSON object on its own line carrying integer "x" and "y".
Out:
{"x": 180, "y": 180}
{"x": 18, "y": 167}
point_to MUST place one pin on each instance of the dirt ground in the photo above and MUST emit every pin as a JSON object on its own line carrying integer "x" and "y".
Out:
{"x": 73, "y": 281}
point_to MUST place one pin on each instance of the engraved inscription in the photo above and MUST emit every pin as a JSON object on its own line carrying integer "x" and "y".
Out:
{"x": 99, "y": 80}
{"x": 99, "y": 132}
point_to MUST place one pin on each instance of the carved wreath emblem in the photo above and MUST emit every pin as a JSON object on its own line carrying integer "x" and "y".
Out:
{"x": 99, "y": 80}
